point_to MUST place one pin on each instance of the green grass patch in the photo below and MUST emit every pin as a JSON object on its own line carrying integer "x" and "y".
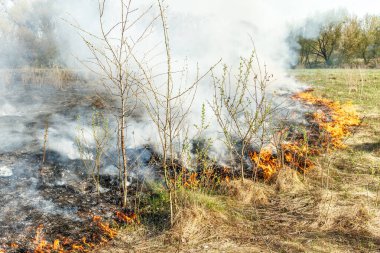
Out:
{"x": 361, "y": 86}
{"x": 208, "y": 201}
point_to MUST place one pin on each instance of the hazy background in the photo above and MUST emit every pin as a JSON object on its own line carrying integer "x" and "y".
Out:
{"x": 40, "y": 33}
{"x": 200, "y": 31}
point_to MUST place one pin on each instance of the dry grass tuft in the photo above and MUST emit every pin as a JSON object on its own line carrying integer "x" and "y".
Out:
{"x": 288, "y": 181}
{"x": 347, "y": 218}
{"x": 247, "y": 192}
{"x": 355, "y": 219}
{"x": 56, "y": 76}
{"x": 193, "y": 224}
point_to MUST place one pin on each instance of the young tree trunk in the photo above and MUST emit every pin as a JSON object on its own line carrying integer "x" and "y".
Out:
{"x": 242, "y": 163}
{"x": 124, "y": 154}
{"x": 365, "y": 58}
{"x": 45, "y": 141}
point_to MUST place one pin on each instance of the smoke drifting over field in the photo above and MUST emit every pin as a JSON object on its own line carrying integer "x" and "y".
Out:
{"x": 200, "y": 33}
{"x": 206, "y": 31}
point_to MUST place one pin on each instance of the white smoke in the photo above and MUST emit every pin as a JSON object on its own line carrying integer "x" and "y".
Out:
{"x": 205, "y": 31}
{"x": 201, "y": 32}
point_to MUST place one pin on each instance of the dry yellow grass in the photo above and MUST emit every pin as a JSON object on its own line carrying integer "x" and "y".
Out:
{"x": 247, "y": 192}
{"x": 58, "y": 77}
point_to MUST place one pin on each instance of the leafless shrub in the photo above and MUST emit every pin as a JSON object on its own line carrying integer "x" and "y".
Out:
{"x": 46, "y": 135}
{"x": 168, "y": 110}
{"x": 241, "y": 108}
{"x": 100, "y": 136}
{"x": 112, "y": 62}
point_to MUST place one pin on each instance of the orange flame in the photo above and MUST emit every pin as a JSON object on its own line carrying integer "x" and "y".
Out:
{"x": 43, "y": 246}
{"x": 105, "y": 227}
{"x": 335, "y": 120}
{"x": 107, "y": 233}
{"x": 266, "y": 161}
{"x": 129, "y": 219}
{"x": 87, "y": 244}
{"x": 77, "y": 247}
{"x": 339, "y": 121}
{"x": 296, "y": 155}
{"x": 14, "y": 245}
{"x": 39, "y": 241}
{"x": 56, "y": 245}
{"x": 192, "y": 181}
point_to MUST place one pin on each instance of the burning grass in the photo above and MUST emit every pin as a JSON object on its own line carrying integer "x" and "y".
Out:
{"x": 328, "y": 128}
{"x": 334, "y": 118}
{"x": 102, "y": 232}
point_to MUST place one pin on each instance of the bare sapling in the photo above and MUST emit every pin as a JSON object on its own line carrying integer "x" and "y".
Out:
{"x": 168, "y": 106}
{"x": 201, "y": 145}
{"x": 241, "y": 108}
{"x": 92, "y": 155}
{"x": 112, "y": 53}
{"x": 46, "y": 135}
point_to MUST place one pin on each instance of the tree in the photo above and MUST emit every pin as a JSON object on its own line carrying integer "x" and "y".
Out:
{"x": 351, "y": 40}
{"x": 168, "y": 106}
{"x": 305, "y": 50}
{"x": 113, "y": 52}
{"x": 28, "y": 29}
{"x": 369, "y": 38}
{"x": 348, "y": 39}
{"x": 327, "y": 41}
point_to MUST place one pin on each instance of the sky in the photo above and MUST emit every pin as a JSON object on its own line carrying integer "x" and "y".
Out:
{"x": 225, "y": 27}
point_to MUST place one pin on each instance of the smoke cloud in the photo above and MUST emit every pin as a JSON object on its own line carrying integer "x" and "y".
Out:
{"x": 204, "y": 32}
{"x": 201, "y": 32}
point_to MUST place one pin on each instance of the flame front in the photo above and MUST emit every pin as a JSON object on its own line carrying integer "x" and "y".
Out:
{"x": 265, "y": 161}
{"x": 105, "y": 227}
{"x": 129, "y": 219}
{"x": 334, "y": 121}
{"x": 104, "y": 233}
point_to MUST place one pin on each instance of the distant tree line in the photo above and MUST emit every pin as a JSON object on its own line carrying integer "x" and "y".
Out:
{"x": 28, "y": 34}
{"x": 348, "y": 41}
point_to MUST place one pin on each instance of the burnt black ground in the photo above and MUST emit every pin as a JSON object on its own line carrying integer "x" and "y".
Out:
{"x": 58, "y": 194}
